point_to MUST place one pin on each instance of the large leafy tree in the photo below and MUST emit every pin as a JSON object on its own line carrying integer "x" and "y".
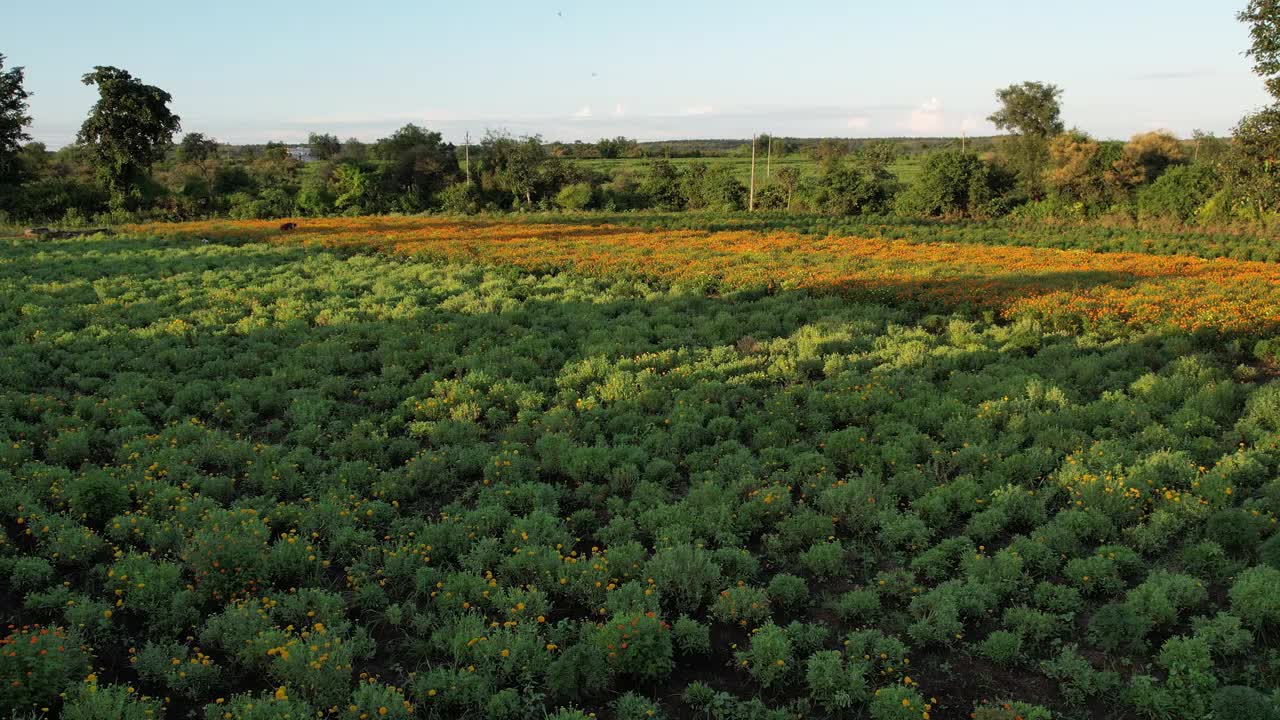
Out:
{"x": 1255, "y": 153}
{"x": 1032, "y": 113}
{"x": 13, "y": 120}
{"x": 418, "y": 164}
{"x": 201, "y": 153}
{"x": 127, "y": 131}
{"x": 1263, "y": 18}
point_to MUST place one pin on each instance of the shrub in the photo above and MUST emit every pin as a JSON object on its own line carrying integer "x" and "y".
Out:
{"x": 1116, "y": 626}
{"x": 375, "y": 700}
{"x": 637, "y": 644}
{"x": 742, "y": 605}
{"x": 461, "y": 197}
{"x": 37, "y": 664}
{"x": 898, "y": 703}
{"x": 768, "y": 658}
{"x": 98, "y": 496}
{"x": 1254, "y": 598}
{"x": 1245, "y": 703}
{"x": 1002, "y": 647}
{"x": 685, "y": 577}
{"x": 178, "y": 668}
{"x": 30, "y": 573}
{"x": 110, "y": 702}
{"x": 691, "y": 637}
{"x": 1178, "y": 194}
{"x": 1009, "y": 710}
{"x": 1234, "y": 529}
{"x": 792, "y": 592}
{"x": 576, "y": 196}
{"x": 856, "y": 605}
{"x": 825, "y": 560}
{"x": 630, "y": 706}
{"x": 953, "y": 183}
{"x": 268, "y": 706}
{"x": 835, "y": 684}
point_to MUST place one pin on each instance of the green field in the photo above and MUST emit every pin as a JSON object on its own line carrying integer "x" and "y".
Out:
{"x": 248, "y": 478}
{"x": 906, "y": 169}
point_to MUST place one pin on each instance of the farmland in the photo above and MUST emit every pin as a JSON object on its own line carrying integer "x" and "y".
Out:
{"x": 905, "y": 169}
{"x": 438, "y": 467}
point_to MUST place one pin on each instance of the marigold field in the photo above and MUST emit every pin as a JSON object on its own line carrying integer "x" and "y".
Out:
{"x": 443, "y": 468}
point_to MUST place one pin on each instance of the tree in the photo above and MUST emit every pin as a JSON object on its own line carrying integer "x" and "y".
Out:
{"x": 1146, "y": 156}
{"x": 13, "y": 119}
{"x": 661, "y": 186}
{"x": 951, "y": 183}
{"x": 1075, "y": 171}
{"x": 788, "y": 179}
{"x": 521, "y": 167}
{"x": 418, "y": 165}
{"x": 201, "y": 153}
{"x": 127, "y": 131}
{"x": 1032, "y": 113}
{"x": 1263, "y": 17}
{"x": 1254, "y": 167}
{"x": 829, "y": 152}
{"x": 324, "y": 147}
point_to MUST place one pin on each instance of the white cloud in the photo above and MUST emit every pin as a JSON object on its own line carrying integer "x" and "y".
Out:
{"x": 928, "y": 119}
{"x": 858, "y": 122}
{"x": 618, "y": 110}
{"x": 698, "y": 110}
{"x": 583, "y": 112}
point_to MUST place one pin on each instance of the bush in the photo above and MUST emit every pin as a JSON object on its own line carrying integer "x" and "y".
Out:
{"x": 37, "y": 664}
{"x": 768, "y": 658}
{"x": 898, "y": 703}
{"x": 461, "y": 197}
{"x": 1002, "y": 647}
{"x": 953, "y": 183}
{"x": 1254, "y": 596}
{"x": 691, "y": 637}
{"x": 743, "y": 605}
{"x": 857, "y": 605}
{"x": 1116, "y": 626}
{"x": 268, "y": 706}
{"x": 111, "y": 702}
{"x": 630, "y": 706}
{"x": 833, "y": 684}
{"x": 1178, "y": 194}
{"x": 577, "y": 196}
{"x": 637, "y": 644}
{"x": 1244, "y": 703}
{"x": 791, "y": 592}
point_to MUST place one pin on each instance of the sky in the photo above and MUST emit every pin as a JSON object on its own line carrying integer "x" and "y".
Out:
{"x": 569, "y": 70}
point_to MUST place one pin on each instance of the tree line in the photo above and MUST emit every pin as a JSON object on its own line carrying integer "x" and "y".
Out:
{"x": 125, "y": 165}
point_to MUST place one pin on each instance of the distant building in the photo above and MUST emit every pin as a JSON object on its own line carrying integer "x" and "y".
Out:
{"x": 301, "y": 153}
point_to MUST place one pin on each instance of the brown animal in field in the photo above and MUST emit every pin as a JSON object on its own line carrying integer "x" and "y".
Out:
{"x": 286, "y": 227}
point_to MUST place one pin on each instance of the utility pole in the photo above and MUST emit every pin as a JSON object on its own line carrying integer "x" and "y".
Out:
{"x": 964, "y": 135}
{"x": 466, "y": 157}
{"x": 751, "y": 198}
{"x": 768, "y": 159}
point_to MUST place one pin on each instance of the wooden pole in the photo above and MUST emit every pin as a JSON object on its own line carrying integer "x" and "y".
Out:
{"x": 751, "y": 198}
{"x": 768, "y": 159}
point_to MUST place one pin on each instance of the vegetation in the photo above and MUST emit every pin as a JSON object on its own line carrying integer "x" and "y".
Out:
{"x": 1041, "y": 172}
{"x": 434, "y": 468}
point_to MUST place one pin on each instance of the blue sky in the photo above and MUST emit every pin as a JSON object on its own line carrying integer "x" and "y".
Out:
{"x": 659, "y": 69}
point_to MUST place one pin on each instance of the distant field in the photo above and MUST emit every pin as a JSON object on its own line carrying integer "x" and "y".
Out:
{"x": 907, "y": 169}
